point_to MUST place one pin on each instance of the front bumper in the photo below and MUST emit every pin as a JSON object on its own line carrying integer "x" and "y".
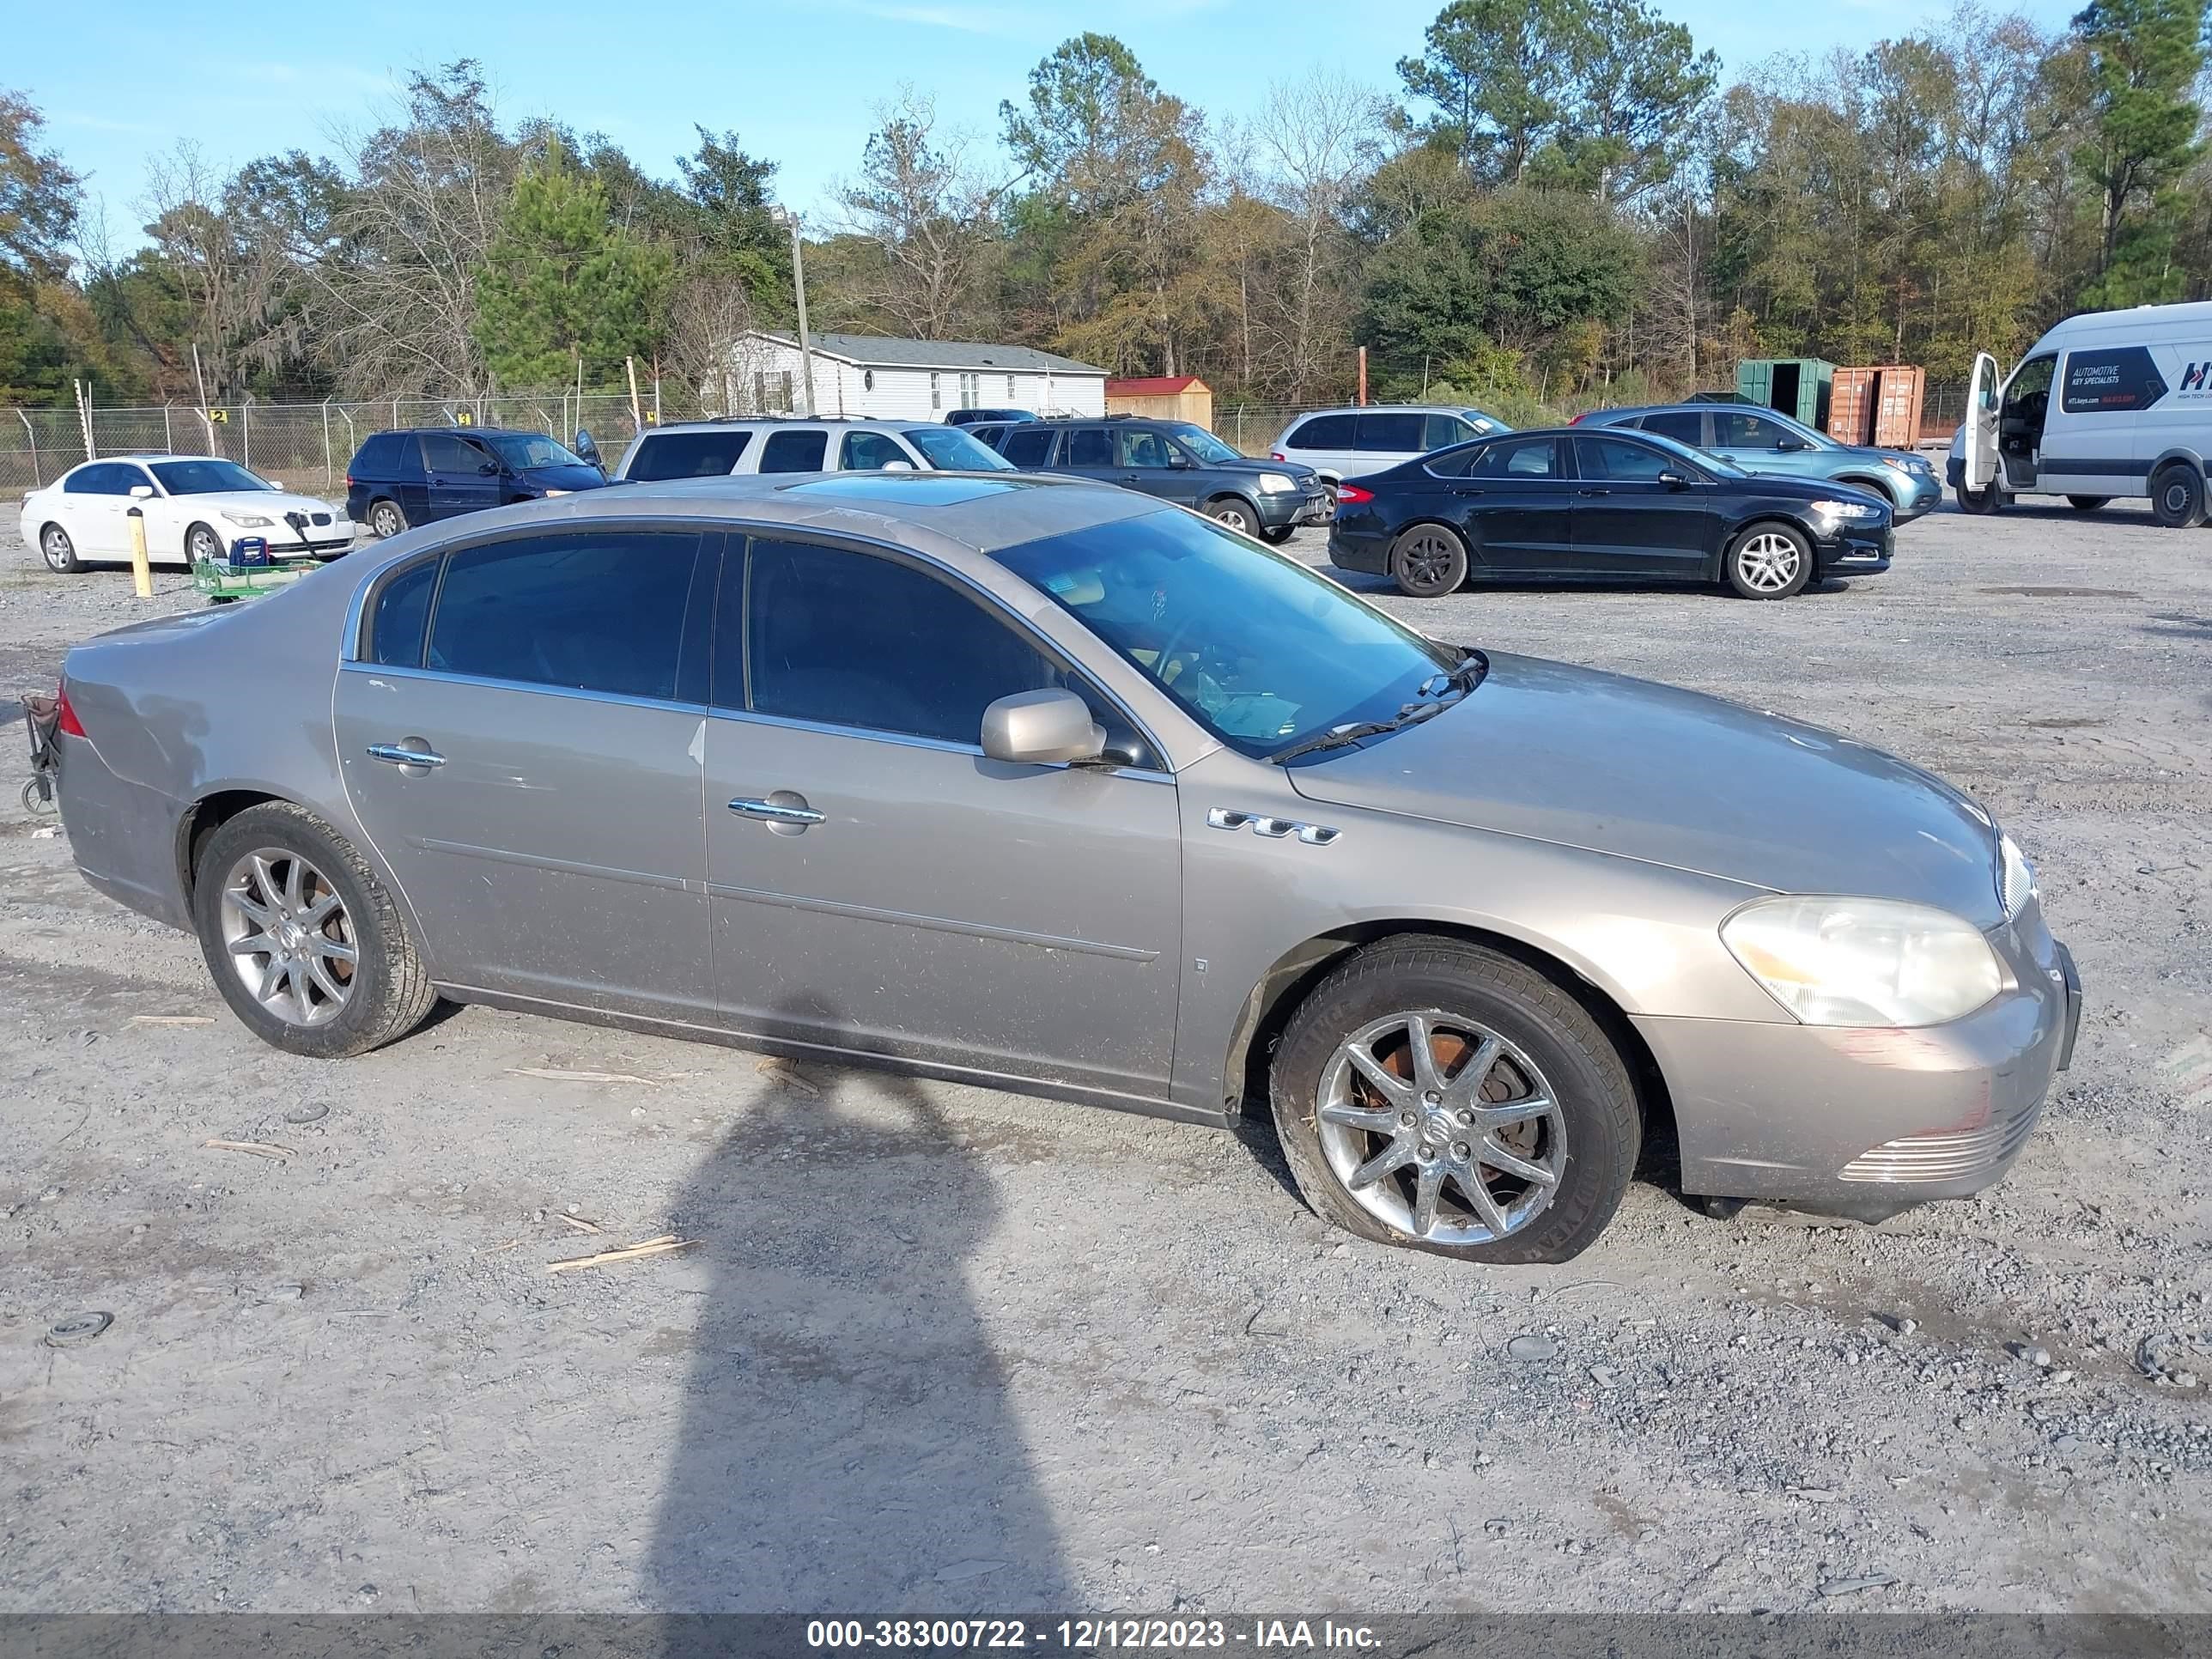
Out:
{"x": 1284, "y": 506}
{"x": 1917, "y": 493}
{"x": 1867, "y": 1122}
{"x": 1856, "y": 552}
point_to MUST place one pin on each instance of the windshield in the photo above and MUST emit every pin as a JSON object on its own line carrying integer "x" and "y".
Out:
{"x": 206, "y": 478}
{"x": 949, "y": 449}
{"x": 1203, "y": 444}
{"x": 1258, "y": 648}
{"x": 524, "y": 450}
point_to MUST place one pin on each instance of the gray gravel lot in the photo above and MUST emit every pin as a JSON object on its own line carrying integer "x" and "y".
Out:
{"x": 944, "y": 1349}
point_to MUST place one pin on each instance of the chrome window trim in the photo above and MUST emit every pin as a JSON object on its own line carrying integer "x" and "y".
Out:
{"x": 447, "y": 677}
{"x": 911, "y": 740}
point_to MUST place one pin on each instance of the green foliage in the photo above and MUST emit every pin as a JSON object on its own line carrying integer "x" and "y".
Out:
{"x": 563, "y": 283}
{"x": 2144, "y": 57}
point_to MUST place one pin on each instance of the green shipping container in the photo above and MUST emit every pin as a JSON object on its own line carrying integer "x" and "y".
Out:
{"x": 1798, "y": 386}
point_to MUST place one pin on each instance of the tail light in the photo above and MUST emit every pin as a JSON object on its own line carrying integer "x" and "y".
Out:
{"x": 349, "y": 481}
{"x": 1353, "y": 496}
{"x": 1577, "y": 420}
{"x": 1277, "y": 455}
{"x": 65, "y": 720}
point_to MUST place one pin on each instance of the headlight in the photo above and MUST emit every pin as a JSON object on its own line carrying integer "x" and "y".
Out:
{"x": 551, "y": 494}
{"x": 1275, "y": 483}
{"x": 2015, "y": 877}
{"x": 249, "y": 520}
{"x": 1864, "y": 961}
{"x": 1854, "y": 511}
{"x": 1912, "y": 464}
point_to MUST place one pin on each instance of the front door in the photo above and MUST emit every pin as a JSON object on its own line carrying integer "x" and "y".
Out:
{"x": 877, "y": 884}
{"x": 460, "y": 477}
{"x": 1981, "y": 457}
{"x": 549, "y": 837}
{"x": 2020, "y": 419}
{"x": 1629, "y": 519}
{"x": 1156, "y": 464}
{"x": 1758, "y": 443}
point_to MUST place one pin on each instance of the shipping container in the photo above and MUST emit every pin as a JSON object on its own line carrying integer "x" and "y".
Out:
{"x": 1851, "y": 405}
{"x": 1798, "y": 386}
{"x": 1902, "y": 389}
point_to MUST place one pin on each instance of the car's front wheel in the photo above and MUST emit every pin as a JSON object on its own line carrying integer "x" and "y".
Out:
{"x": 1279, "y": 535}
{"x": 1769, "y": 561}
{"x": 1434, "y": 1094}
{"x": 1428, "y": 561}
{"x": 304, "y": 943}
{"x": 58, "y": 551}
{"x": 1988, "y": 499}
{"x": 1234, "y": 513}
{"x": 202, "y": 545}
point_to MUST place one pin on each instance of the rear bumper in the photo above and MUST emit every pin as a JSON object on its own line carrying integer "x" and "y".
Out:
{"x": 122, "y": 834}
{"x": 1868, "y": 1122}
{"x": 1366, "y": 551}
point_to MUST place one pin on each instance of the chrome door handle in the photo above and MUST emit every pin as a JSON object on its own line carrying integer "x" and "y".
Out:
{"x": 775, "y": 812}
{"x": 398, "y": 755}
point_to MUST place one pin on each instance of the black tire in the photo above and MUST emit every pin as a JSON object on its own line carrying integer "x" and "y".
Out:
{"x": 385, "y": 519}
{"x": 59, "y": 550}
{"x": 1873, "y": 487}
{"x": 1235, "y": 512}
{"x": 388, "y": 991}
{"x": 2088, "y": 503}
{"x": 202, "y": 542}
{"x": 1988, "y": 499}
{"x": 2177, "y": 496}
{"x": 1428, "y": 561}
{"x": 1749, "y": 567}
{"x": 1278, "y": 536}
{"x": 1602, "y": 1124}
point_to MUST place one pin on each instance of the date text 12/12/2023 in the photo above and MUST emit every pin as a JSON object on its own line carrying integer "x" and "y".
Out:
{"x": 1088, "y": 1635}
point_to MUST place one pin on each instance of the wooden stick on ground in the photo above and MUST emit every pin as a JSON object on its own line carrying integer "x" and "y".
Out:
{"x": 258, "y": 1148}
{"x": 660, "y": 1246}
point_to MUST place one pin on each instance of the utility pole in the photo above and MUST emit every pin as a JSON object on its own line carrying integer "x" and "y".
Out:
{"x": 798, "y": 290}
{"x": 207, "y": 416}
{"x": 1363, "y": 377}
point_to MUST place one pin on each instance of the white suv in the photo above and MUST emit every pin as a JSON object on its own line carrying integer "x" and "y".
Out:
{"x": 713, "y": 449}
{"x": 1350, "y": 443}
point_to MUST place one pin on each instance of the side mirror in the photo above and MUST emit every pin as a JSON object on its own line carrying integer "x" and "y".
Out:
{"x": 896, "y": 466}
{"x": 1674, "y": 480}
{"x": 1790, "y": 446}
{"x": 488, "y": 468}
{"x": 587, "y": 451}
{"x": 1037, "y": 729}
{"x": 1178, "y": 458}
{"x": 141, "y": 492}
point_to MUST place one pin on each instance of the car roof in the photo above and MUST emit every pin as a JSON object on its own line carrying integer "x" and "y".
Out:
{"x": 1396, "y": 409}
{"x": 726, "y": 422}
{"x": 463, "y": 431}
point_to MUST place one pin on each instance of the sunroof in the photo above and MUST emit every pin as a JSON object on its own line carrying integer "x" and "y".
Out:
{"x": 909, "y": 488}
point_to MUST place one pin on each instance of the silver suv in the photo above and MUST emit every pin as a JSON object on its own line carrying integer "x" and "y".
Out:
{"x": 1350, "y": 443}
{"x": 713, "y": 449}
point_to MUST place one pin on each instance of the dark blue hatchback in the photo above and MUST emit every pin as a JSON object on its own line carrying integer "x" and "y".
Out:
{"x": 402, "y": 478}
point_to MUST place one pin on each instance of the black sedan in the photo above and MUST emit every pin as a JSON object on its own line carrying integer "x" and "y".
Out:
{"x": 1609, "y": 506}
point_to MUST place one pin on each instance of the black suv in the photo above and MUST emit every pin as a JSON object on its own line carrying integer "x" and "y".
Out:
{"x": 1175, "y": 461}
{"x": 417, "y": 475}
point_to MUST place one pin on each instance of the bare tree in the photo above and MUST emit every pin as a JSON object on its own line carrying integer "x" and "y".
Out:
{"x": 921, "y": 204}
{"x": 1315, "y": 140}
{"x": 708, "y": 315}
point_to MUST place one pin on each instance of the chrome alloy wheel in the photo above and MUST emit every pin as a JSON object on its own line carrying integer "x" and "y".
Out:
{"x": 55, "y": 545}
{"x": 1769, "y": 561}
{"x": 1441, "y": 1128}
{"x": 202, "y": 545}
{"x": 290, "y": 941}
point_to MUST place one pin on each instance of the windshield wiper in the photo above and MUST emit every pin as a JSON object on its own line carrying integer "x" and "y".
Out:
{"x": 1462, "y": 677}
{"x": 1339, "y": 737}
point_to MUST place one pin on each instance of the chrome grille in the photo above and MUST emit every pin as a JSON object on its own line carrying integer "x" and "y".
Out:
{"x": 1943, "y": 1157}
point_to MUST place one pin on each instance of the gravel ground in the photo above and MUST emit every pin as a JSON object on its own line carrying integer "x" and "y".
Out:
{"x": 942, "y": 1349}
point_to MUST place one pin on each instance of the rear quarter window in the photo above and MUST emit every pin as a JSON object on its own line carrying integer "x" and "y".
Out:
{"x": 379, "y": 456}
{"x": 794, "y": 451}
{"x": 687, "y": 455}
{"x": 1323, "y": 432}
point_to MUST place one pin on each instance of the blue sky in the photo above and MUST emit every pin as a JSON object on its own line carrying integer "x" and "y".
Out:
{"x": 798, "y": 81}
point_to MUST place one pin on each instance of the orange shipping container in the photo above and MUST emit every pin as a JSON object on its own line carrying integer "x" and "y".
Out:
{"x": 1897, "y": 406}
{"x": 1851, "y": 405}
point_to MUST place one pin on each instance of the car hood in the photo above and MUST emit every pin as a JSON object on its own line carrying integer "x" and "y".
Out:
{"x": 1304, "y": 474}
{"x": 1647, "y": 771}
{"x": 1799, "y": 486}
{"x": 563, "y": 477}
{"x": 272, "y": 504}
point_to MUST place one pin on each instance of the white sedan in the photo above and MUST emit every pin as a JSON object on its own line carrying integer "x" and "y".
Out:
{"x": 195, "y": 507}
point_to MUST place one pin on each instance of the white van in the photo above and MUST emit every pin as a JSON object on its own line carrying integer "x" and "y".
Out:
{"x": 2132, "y": 415}
{"x": 1350, "y": 443}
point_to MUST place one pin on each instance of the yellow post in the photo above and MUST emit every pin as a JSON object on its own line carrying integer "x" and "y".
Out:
{"x": 141, "y": 574}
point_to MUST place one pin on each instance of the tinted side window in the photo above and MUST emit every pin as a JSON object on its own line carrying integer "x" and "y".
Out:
{"x": 402, "y": 605}
{"x": 871, "y": 451}
{"x": 379, "y": 457}
{"x": 104, "y": 479}
{"x": 590, "y": 611}
{"x": 1399, "y": 433}
{"x": 847, "y": 639}
{"x": 1440, "y": 431}
{"x": 1618, "y": 459}
{"x": 1142, "y": 448}
{"x": 1089, "y": 446}
{"x": 1683, "y": 425}
{"x": 1532, "y": 459}
{"x": 688, "y": 454}
{"x": 1323, "y": 432}
{"x": 794, "y": 451}
{"x": 444, "y": 453}
{"x": 1733, "y": 430}
{"x": 1028, "y": 446}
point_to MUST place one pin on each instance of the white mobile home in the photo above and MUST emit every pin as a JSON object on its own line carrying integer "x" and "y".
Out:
{"x": 876, "y": 378}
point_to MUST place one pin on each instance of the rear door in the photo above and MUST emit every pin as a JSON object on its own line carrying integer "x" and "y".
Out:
{"x": 1628, "y": 520}
{"x": 1087, "y": 452}
{"x": 1684, "y": 426}
{"x": 1981, "y": 422}
{"x": 1029, "y": 445}
{"x": 460, "y": 477}
{"x": 1384, "y": 437}
{"x": 94, "y": 503}
{"x": 549, "y": 839}
{"x": 1326, "y": 443}
{"x": 1514, "y": 501}
{"x": 877, "y": 884}
{"x": 794, "y": 449}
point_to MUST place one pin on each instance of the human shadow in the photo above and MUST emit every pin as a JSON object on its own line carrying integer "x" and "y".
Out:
{"x": 848, "y": 1444}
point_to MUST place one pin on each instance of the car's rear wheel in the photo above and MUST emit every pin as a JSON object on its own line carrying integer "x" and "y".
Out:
{"x": 1988, "y": 499}
{"x": 58, "y": 551}
{"x": 1769, "y": 561}
{"x": 1234, "y": 512}
{"x": 385, "y": 518}
{"x": 1434, "y": 1094}
{"x": 202, "y": 543}
{"x": 304, "y": 943}
{"x": 1428, "y": 561}
{"x": 2177, "y": 496}
{"x": 2088, "y": 503}
{"x": 1279, "y": 535}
